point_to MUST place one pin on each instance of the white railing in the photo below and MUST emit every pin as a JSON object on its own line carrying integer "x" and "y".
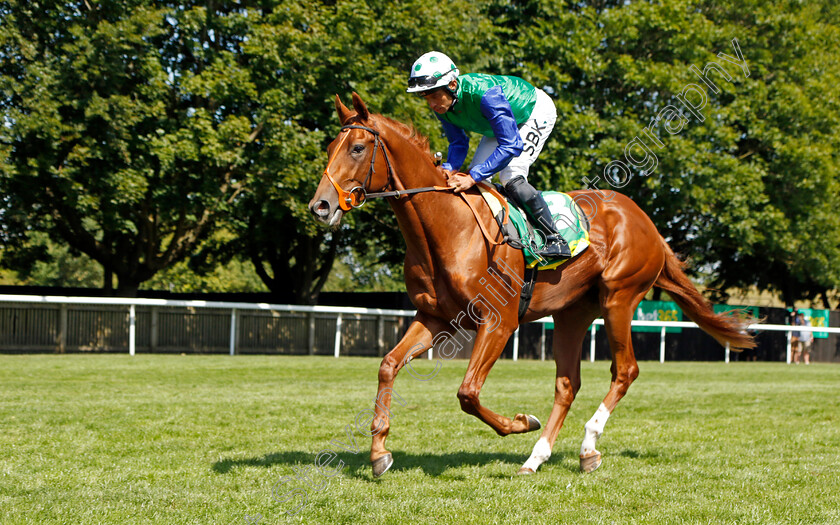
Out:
{"x": 234, "y": 307}
{"x": 664, "y": 325}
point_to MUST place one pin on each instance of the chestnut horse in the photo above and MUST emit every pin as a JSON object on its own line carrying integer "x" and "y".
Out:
{"x": 448, "y": 257}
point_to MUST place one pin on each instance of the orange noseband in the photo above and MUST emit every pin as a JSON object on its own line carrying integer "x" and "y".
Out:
{"x": 357, "y": 196}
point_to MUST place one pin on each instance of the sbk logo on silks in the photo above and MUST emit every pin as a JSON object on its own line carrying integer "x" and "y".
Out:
{"x": 533, "y": 137}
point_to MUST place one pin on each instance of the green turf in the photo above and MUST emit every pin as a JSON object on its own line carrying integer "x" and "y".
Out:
{"x": 89, "y": 439}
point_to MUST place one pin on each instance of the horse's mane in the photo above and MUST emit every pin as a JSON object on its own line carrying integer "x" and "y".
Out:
{"x": 407, "y": 132}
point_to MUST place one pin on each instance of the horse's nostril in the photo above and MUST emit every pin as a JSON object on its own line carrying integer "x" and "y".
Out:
{"x": 321, "y": 208}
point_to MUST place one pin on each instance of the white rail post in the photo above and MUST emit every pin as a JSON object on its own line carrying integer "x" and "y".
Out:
{"x": 233, "y": 331}
{"x": 788, "y": 352}
{"x": 516, "y": 345}
{"x": 592, "y": 343}
{"x": 542, "y": 341}
{"x": 727, "y": 352}
{"x": 132, "y": 325}
{"x": 310, "y": 332}
{"x": 337, "y": 335}
{"x": 662, "y": 345}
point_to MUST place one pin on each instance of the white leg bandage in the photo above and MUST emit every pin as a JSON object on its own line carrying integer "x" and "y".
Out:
{"x": 594, "y": 428}
{"x": 541, "y": 453}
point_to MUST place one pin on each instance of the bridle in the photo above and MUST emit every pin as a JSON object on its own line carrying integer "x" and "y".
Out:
{"x": 358, "y": 195}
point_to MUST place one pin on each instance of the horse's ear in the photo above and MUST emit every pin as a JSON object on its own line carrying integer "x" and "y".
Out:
{"x": 344, "y": 114}
{"x": 360, "y": 106}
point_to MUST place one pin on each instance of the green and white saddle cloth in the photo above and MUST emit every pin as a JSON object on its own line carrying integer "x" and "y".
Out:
{"x": 568, "y": 217}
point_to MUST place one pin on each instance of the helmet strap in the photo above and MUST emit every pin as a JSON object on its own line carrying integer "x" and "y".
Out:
{"x": 453, "y": 93}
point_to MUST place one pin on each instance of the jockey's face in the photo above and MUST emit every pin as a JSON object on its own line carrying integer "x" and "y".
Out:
{"x": 440, "y": 100}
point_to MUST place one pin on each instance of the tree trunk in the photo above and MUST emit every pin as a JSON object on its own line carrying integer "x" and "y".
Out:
{"x": 128, "y": 289}
{"x": 825, "y": 301}
{"x": 107, "y": 280}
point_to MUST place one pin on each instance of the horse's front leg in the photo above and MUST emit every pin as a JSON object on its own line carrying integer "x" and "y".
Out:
{"x": 488, "y": 346}
{"x": 416, "y": 341}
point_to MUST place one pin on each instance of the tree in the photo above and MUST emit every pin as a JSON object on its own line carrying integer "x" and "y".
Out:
{"x": 301, "y": 56}
{"x": 786, "y": 126}
{"x": 128, "y": 128}
{"x": 736, "y": 187}
{"x": 44, "y": 263}
{"x": 132, "y": 131}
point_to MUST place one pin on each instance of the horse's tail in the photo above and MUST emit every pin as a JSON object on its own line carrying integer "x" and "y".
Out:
{"x": 724, "y": 328}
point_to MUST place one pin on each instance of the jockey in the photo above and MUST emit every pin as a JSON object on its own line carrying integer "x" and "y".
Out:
{"x": 515, "y": 119}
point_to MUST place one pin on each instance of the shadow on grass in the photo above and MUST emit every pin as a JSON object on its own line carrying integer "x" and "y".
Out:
{"x": 654, "y": 456}
{"x": 277, "y": 458}
{"x": 634, "y": 454}
{"x": 436, "y": 465}
{"x": 358, "y": 465}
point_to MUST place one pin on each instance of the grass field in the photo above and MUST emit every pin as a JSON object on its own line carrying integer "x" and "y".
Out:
{"x": 89, "y": 439}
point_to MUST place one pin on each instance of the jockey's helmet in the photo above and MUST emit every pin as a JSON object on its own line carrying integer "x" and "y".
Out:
{"x": 431, "y": 71}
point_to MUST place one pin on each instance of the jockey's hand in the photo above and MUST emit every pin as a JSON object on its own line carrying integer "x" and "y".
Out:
{"x": 461, "y": 182}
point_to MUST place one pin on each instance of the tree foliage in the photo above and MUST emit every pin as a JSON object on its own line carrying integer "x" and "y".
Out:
{"x": 741, "y": 192}
{"x": 301, "y": 57}
{"x": 132, "y": 131}
{"x": 128, "y": 126}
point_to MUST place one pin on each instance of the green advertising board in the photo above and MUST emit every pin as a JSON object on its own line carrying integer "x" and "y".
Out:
{"x": 657, "y": 311}
{"x": 669, "y": 311}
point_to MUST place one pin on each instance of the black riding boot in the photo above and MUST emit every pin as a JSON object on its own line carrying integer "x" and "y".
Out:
{"x": 529, "y": 198}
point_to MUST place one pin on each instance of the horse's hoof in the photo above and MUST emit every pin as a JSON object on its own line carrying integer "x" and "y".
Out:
{"x": 590, "y": 462}
{"x": 381, "y": 465}
{"x": 533, "y": 423}
{"x": 524, "y": 471}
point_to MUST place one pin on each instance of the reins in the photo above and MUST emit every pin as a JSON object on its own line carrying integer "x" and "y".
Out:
{"x": 358, "y": 195}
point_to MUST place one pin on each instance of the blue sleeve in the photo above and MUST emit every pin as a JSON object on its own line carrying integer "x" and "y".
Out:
{"x": 459, "y": 145}
{"x": 496, "y": 109}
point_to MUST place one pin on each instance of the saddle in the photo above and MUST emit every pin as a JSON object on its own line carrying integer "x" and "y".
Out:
{"x": 520, "y": 233}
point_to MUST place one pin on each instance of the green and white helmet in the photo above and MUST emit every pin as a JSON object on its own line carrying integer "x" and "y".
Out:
{"x": 430, "y": 71}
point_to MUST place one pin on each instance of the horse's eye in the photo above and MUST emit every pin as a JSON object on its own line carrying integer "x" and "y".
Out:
{"x": 358, "y": 148}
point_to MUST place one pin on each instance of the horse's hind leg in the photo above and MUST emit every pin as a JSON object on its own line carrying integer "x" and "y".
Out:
{"x": 570, "y": 327}
{"x": 618, "y": 308}
{"x": 416, "y": 341}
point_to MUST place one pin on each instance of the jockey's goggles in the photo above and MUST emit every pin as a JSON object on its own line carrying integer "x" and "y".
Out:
{"x": 427, "y": 81}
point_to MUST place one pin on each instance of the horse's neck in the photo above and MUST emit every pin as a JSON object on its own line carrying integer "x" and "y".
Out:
{"x": 433, "y": 223}
{"x": 412, "y": 166}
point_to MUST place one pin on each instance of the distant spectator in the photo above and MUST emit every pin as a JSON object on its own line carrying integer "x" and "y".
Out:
{"x": 804, "y": 340}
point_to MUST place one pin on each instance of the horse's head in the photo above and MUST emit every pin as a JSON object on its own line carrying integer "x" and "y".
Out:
{"x": 355, "y": 166}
